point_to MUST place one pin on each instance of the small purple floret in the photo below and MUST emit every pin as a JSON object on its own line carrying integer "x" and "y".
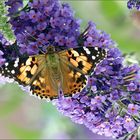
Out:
{"x": 133, "y": 4}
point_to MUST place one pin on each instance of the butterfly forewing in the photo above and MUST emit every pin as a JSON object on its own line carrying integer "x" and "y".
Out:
{"x": 84, "y": 59}
{"x": 76, "y": 63}
{"x": 23, "y": 70}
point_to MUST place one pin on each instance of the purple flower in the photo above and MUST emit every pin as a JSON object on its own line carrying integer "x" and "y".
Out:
{"x": 3, "y": 45}
{"x": 34, "y": 4}
{"x": 115, "y": 95}
{"x": 47, "y": 10}
{"x": 42, "y": 26}
{"x": 129, "y": 124}
{"x": 2, "y": 60}
{"x": 23, "y": 15}
{"x": 14, "y": 5}
{"x": 32, "y": 48}
{"x": 33, "y": 16}
{"x": 66, "y": 11}
{"x": 21, "y": 38}
{"x": 133, "y": 109}
{"x": 98, "y": 100}
{"x": 117, "y": 126}
{"x": 136, "y": 97}
{"x": 71, "y": 41}
{"x": 42, "y": 39}
{"x": 23, "y": 48}
{"x": 89, "y": 41}
{"x": 133, "y": 4}
{"x": 3, "y": 40}
{"x": 132, "y": 87}
{"x": 109, "y": 104}
{"x": 49, "y": 17}
{"x": 60, "y": 40}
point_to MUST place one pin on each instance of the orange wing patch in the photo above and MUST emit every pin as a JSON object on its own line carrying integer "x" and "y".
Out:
{"x": 73, "y": 80}
{"x": 43, "y": 86}
{"x": 27, "y": 70}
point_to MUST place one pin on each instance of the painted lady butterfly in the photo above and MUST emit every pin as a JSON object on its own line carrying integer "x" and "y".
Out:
{"x": 47, "y": 73}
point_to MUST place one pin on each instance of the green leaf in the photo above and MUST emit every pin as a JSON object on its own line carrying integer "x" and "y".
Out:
{"x": 5, "y": 27}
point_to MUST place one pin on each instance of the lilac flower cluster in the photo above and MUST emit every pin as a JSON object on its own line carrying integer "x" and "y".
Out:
{"x": 3, "y": 44}
{"x": 43, "y": 23}
{"x": 109, "y": 105}
{"x": 133, "y": 4}
{"x": 14, "y": 6}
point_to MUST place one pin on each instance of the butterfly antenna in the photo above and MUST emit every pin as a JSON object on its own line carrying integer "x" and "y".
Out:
{"x": 36, "y": 40}
{"x": 83, "y": 36}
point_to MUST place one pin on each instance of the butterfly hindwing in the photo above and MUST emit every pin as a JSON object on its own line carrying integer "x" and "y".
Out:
{"x": 42, "y": 86}
{"x": 73, "y": 81}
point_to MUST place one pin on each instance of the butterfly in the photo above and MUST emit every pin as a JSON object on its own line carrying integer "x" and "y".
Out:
{"x": 46, "y": 73}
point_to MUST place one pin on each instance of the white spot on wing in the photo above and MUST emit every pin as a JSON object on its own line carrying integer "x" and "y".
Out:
{"x": 6, "y": 64}
{"x": 87, "y": 50}
{"x": 16, "y": 62}
{"x": 96, "y": 48}
{"x": 15, "y": 65}
{"x": 98, "y": 52}
{"x": 93, "y": 57}
{"x": 13, "y": 72}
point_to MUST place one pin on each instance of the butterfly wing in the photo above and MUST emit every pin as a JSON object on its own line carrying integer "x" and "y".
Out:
{"x": 23, "y": 70}
{"x": 43, "y": 85}
{"x": 76, "y": 63}
{"x": 73, "y": 81}
{"x": 31, "y": 71}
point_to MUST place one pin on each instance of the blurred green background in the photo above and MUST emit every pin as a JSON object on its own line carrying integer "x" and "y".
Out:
{"x": 23, "y": 116}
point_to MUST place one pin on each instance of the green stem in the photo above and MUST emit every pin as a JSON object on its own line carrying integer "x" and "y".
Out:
{"x": 17, "y": 13}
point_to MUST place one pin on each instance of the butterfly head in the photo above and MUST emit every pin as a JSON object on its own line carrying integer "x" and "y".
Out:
{"x": 50, "y": 49}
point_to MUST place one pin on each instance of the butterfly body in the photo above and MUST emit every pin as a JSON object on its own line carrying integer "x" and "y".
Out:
{"x": 47, "y": 73}
{"x": 53, "y": 65}
{"x": 54, "y": 70}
